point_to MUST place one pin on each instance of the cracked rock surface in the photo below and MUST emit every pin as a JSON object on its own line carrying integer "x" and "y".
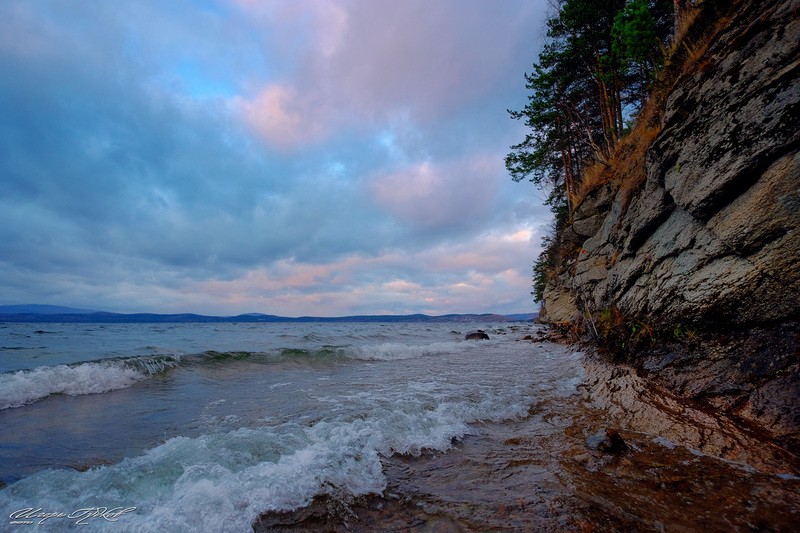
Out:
{"x": 712, "y": 239}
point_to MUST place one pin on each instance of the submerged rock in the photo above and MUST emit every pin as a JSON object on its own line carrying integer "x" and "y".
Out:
{"x": 478, "y": 334}
{"x": 607, "y": 441}
{"x": 348, "y": 514}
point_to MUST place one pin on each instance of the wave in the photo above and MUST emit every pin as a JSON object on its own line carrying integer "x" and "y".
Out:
{"x": 386, "y": 351}
{"x": 394, "y": 351}
{"x": 27, "y": 386}
{"x": 223, "y": 481}
{"x": 24, "y": 387}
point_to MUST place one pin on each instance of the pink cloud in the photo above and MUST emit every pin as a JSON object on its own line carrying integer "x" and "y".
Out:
{"x": 401, "y": 286}
{"x": 321, "y": 22}
{"x": 491, "y": 272}
{"x": 283, "y": 119}
{"x": 491, "y": 252}
{"x": 433, "y": 195}
{"x": 428, "y": 57}
{"x": 352, "y": 62}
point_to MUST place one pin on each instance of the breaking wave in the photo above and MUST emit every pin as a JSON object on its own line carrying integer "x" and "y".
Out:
{"x": 27, "y": 386}
{"x": 24, "y": 387}
{"x": 222, "y": 481}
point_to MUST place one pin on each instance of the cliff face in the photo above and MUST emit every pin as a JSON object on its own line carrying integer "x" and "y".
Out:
{"x": 712, "y": 239}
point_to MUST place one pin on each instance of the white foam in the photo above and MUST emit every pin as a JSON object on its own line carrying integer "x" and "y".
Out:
{"x": 395, "y": 351}
{"x": 27, "y": 386}
{"x": 222, "y": 481}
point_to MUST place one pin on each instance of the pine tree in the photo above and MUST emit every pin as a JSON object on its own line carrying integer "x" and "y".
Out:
{"x": 591, "y": 78}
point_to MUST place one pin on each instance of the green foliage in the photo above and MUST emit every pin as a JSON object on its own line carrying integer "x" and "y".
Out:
{"x": 634, "y": 33}
{"x": 542, "y": 267}
{"x": 637, "y": 36}
{"x": 563, "y": 111}
{"x": 684, "y": 334}
{"x": 552, "y": 253}
{"x": 621, "y": 336}
{"x": 597, "y": 55}
{"x": 587, "y": 83}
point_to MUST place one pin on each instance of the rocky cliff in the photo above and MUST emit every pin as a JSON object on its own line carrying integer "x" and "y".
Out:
{"x": 710, "y": 243}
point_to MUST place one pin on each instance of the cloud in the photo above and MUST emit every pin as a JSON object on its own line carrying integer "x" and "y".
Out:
{"x": 310, "y": 157}
{"x": 432, "y": 195}
{"x": 283, "y": 120}
{"x": 369, "y": 61}
{"x": 460, "y": 276}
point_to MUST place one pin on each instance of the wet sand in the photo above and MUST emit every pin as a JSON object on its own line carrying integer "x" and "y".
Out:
{"x": 685, "y": 470}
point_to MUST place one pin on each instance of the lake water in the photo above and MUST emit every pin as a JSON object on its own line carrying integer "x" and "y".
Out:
{"x": 210, "y": 424}
{"x": 204, "y": 427}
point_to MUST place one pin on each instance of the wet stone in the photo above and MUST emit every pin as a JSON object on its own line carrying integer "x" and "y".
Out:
{"x": 607, "y": 441}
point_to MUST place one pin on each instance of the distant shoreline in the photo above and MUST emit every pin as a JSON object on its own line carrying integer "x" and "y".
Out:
{"x": 99, "y": 317}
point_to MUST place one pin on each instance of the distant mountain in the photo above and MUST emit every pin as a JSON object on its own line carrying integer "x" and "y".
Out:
{"x": 51, "y": 313}
{"x": 523, "y": 316}
{"x": 42, "y": 310}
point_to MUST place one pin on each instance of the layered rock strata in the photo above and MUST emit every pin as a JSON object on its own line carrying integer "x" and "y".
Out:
{"x": 712, "y": 239}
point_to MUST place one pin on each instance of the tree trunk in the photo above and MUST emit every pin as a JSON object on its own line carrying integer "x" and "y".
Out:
{"x": 567, "y": 181}
{"x": 680, "y": 7}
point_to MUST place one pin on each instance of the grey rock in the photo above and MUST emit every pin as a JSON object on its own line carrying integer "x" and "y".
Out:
{"x": 597, "y": 201}
{"x": 478, "y": 334}
{"x": 712, "y": 239}
{"x": 587, "y": 227}
{"x": 646, "y": 213}
{"x": 734, "y": 118}
{"x": 559, "y": 305}
{"x": 713, "y": 234}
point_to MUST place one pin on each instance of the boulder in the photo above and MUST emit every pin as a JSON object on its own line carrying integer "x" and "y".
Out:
{"x": 478, "y": 334}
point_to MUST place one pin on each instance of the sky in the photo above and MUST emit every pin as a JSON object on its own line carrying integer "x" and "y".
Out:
{"x": 290, "y": 157}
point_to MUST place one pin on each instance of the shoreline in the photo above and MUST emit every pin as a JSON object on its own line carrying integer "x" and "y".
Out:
{"x": 684, "y": 470}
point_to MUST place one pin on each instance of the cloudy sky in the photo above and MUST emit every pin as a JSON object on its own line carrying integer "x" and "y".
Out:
{"x": 294, "y": 157}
